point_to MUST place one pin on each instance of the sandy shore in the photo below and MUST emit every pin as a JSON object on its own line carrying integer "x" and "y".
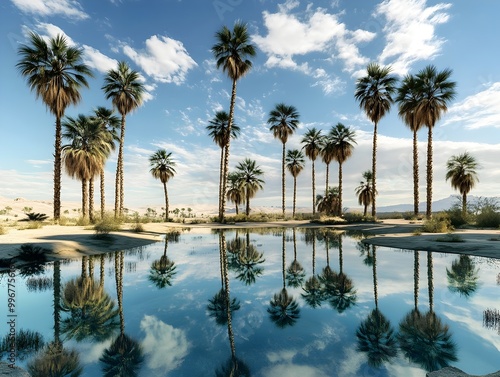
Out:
{"x": 74, "y": 241}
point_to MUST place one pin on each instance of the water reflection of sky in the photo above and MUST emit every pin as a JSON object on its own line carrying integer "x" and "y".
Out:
{"x": 179, "y": 338}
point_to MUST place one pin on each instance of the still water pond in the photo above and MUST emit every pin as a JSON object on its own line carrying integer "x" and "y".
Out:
{"x": 302, "y": 302}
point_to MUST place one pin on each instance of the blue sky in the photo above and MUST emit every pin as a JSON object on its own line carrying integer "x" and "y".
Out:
{"x": 309, "y": 55}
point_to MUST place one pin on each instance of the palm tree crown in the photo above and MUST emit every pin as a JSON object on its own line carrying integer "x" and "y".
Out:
{"x": 461, "y": 171}
{"x": 55, "y": 72}
{"x": 162, "y": 168}
{"x": 374, "y": 93}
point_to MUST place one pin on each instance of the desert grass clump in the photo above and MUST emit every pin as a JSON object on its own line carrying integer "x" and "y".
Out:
{"x": 357, "y": 217}
{"x": 439, "y": 223}
{"x": 106, "y": 225}
{"x": 2, "y": 230}
{"x": 137, "y": 228}
{"x": 450, "y": 237}
{"x": 32, "y": 225}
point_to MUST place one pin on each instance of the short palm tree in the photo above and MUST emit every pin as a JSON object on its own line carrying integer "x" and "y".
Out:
{"x": 365, "y": 191}
{"x": 219, "y": 132}
{"x": 284, "y": 120}
{"x": 343, "y": 139}
{"x": 162, "y": 168}
{"x": 327, "y": 155}
{"x": 55, "y": 71}
{"x": 235, "y": 194}
{"x": 408, "y": 99}
{"x": 312, "y": 141}
{"x": 86, "y": 153}
{"x": 436, "y": 91}
{"x": 295, "y": 164}
{"x": 124, "y": 87}
{"x": 461, "y": 171}
{"x": 110, "y": 123}
{"x": 231, "y": 52}
{"x": 374, "y": 93}
{"x": 250, "y": 182}
{"x": 330, "y": 202}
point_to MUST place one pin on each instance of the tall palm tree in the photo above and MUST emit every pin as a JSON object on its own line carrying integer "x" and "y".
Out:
{"x": 295, "y": 164}
{"x": 312, "y": 142}
{"x": 124, "y": 87}
{"x": 436, "y": 91}
{"x": 343, "y": 138}
{"x": 374, "y": 93}
{"x": 408, "y": 99}
{"x": 55, "y": 72}
{"x": 109, "y": 123}
{"x": 284, "y": 120}
{"x": 365, "y": 191}
{"x": 84, "y": 157}
{"x": 235, "y": 194}
{"x": 250, "y": 182}
{"x": 461, "y": 171}
{"x": 219, "y": 132}
{"x": 327, "y": 155}
{"x": 162, "y": 168}
{"x": 231, "y": 51}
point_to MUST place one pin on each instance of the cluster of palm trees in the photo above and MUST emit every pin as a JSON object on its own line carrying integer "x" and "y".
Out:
{"x": 55, "y": 72}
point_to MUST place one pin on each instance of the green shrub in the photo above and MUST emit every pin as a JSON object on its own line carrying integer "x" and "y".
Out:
{"x": 106, "y": 225}
{"x": 450, "y": 237}
{"x": 439, "y": 223}
{"x": 488, "y": 218}
{"x": 357, "y": 217}
{"x": 138, "y": 228}
{"x": 457, "y": 217}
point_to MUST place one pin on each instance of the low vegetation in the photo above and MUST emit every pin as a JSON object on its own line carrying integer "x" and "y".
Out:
{"x": 106, "y": 225}
{"x": 450, "y": 237}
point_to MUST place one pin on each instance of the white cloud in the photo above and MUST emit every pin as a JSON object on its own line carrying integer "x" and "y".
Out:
{"x": 48, "y": 31}
{"x": 477, "y": 111}
{"x": 163, "y": 59}
{"x": 97, "y": 60}
{"x": 165, "y": 346}
{"x": 410, "y": 31}
{"x": 67, "y": 8}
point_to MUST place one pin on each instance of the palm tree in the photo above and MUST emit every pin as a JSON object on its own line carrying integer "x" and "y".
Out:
{"x": 461, "y": 171}
{"x": 295, "y": 164}
{"x": 110, "y": 123}
{"x": 435, "y": 93}
{"x": 284, "y": 120}
{"x": 231, "y": 53}
{"x": 364, "y": 191}
{"x": 162, "y": 168}
{"x": 343, "y": 138}
{"x": 84, "y": 157}
{"x": 374, "y": 93}
{"x": 327, "y": 156}
{"x": 124, "y": 87}
{"x": 235, "y": 194}
{"x": 250, "y": 182}
{"x": 312, "y": 142}
{"x": 219, "y": 132}
{"x": 330, "y": 202}
{"x": 408, "y": 99}
{"x": 55, "y": 72}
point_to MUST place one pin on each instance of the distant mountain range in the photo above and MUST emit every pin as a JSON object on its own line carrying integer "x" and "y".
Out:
{"x": 438, "y": 205}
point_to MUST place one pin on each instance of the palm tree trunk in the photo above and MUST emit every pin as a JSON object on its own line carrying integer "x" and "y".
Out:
{"x": 103, "y": 198}
{"x": 91, "y": 199}
{"x": 122, "y": 191}
{"x": 226, "y": 154}
{"x": 374, "y": 171}
{"x": 314, "y": 188}
{"x": 57, "y": 170}
{"x": 57, "y": 300}
{"x": 236, "y": 205}
{"x": 365, "y": 210}
{"x": 283, "y": 180}
{"x": 166, "y": 200}
{"x": 464, "y": 203}
{"x": 430, "y": 280}
{"x": 327, "y": 176}
{"x": 374, "y": 266}
{"x": 248, "y": 203}
{"x": 340, "y": 189}
{"x": 119, "y": 169}
{"x": 85, "y": 196}
{"x": 283, "y": 256}
{"x": 221, "y": 178}
{"x": 101, "y": 271}
{"x": 415, "y": 173}
{"x": 294, "y": 195}
{"x": 428, "y": 212}
{"x": 416, "y": 270}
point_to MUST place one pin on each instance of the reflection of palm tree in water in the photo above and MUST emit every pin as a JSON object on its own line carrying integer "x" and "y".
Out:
{"x": 283, "y": 308}
{"x": 423, "y": 338}
{"x": 245, "y": 260}
{"x": 313, "y": 295}
{"x": 124, "y": 356}
{"x": 55, "y": 360}
{"x": 375, "y": 334}
{"x": 162, "y": 270}
{"x": 233, "y": 366}
{"x": 295, "y": 272}
{"x": 463, "y": 276}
